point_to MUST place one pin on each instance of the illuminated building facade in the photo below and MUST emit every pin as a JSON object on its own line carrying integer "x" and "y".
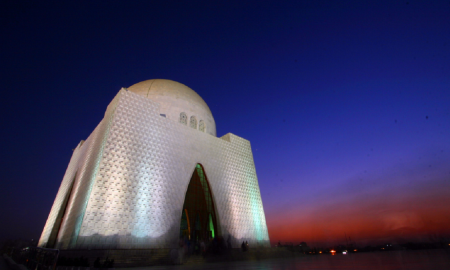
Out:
{"x": 153, "y": 171}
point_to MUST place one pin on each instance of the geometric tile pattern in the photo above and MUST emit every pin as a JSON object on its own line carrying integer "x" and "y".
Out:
{"x": 131, "y": 175}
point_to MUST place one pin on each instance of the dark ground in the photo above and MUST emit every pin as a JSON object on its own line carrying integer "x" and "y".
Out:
{"x": 392, "y": 260}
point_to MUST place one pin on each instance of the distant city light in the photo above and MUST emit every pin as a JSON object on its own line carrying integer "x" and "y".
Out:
{"x": 344, "y": 252}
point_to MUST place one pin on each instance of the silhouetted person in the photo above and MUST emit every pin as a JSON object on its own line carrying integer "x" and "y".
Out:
{"x": 188, "y": 247}
{"x": 108, "y": 263}
{"x": 97, "y": 263}
{"x": 215, "y": 245}
{"x": 181, "y": 251}
{"x": 203, "y": 247}
{"x": 196, "y": 248}
{"x": 244, "y": 246}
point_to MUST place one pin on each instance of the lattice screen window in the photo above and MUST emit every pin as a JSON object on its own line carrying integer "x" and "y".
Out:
{"x": 193, "y": 122}
{"x": 201, "y": 126}
{"x": 183, "y": 118}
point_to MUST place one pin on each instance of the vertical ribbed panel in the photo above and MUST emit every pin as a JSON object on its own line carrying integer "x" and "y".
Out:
{"x": 51, "y": 226}
{"x": 88, "y": 168}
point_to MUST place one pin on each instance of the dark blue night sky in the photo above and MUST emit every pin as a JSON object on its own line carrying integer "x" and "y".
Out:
{"x": 346, "y": 103}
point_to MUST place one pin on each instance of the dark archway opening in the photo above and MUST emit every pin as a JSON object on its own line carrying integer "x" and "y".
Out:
{"x": 198, "y": 218}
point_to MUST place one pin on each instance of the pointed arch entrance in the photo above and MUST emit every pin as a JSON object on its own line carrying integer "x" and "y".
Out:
{"x": 198, "y": 218}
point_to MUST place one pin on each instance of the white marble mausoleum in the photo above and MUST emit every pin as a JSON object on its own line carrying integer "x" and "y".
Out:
{"x": 152, "y": 171}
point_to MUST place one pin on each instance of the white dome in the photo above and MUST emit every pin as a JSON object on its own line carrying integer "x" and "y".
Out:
{"x": 176, "y": 98}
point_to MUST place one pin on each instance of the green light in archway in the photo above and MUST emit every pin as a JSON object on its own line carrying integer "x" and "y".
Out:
{"x": 211, "y": 225}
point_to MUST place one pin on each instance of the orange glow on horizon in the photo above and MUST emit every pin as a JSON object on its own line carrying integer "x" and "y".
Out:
{"x": 418, "y": 219}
